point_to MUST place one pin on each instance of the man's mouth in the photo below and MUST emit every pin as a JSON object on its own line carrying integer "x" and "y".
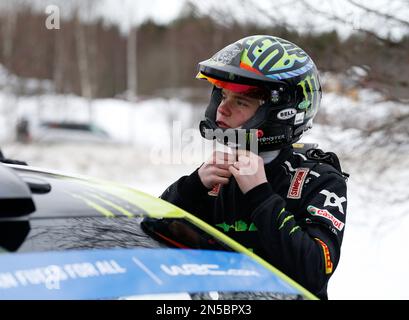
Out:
{"x": 222, "y": 125}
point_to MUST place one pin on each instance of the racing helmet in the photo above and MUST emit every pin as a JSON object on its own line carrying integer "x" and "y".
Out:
{"x": 280, "y": 70}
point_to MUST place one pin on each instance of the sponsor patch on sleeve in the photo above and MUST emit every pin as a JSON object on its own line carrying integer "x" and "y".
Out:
{"x": 294, "y": 192}
{"x": 327, "y": 257}
{"x": 326, "y": 215}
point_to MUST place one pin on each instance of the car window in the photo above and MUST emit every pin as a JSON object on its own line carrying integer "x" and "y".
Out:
{"x": 98, "y": 232}
{"x": 180, "y": 233}
{"x": 77, "y": 233}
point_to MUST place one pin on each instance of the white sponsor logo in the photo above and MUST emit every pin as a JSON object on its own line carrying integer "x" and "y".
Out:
{"x": 188, "y": 269}
{"x": 325, "y": 214}
{"x": 299, "y": 118}
{"x": 286, "y": 114}
{"x": 51, "y": 276}
{"x": 332, "y": 200}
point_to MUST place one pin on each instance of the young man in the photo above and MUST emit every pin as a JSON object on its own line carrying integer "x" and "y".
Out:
{"x": 288, "y": 207}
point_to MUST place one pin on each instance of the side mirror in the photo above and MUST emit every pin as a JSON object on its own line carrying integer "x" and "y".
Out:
{"x": 15, "y": 195}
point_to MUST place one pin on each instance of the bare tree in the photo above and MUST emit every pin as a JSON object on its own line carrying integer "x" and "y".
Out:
{"x": 132, "y": 72}
{"x": 86, "y": 52}
{"x": 83, "y": 61}
{"x": 359, "y": 14}
{"x": 9, "y": 12}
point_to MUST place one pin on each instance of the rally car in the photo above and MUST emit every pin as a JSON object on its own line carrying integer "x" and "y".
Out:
{"x": 60, "y": 131}
{"x": 67, "y": 237}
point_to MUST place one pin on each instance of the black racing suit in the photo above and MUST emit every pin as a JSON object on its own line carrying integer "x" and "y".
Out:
{"x": 295, "y": 221}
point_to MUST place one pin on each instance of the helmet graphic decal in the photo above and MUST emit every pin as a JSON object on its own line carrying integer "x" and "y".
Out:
{"x": 310, "y": 91}
{"x": 229, "y": 55}
{"x": 274, "y": 57}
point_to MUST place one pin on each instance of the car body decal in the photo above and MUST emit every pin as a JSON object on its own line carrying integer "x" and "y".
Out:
{"x": 113, "y": 273}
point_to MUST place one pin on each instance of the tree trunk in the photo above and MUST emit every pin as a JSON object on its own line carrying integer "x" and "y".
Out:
{"x": 132, "y": 67}
{"x": 83, "y": 66}
{"x": 10, "y": 19}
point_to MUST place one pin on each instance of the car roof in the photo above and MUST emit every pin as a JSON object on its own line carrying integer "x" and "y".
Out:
{"x": 58, "y": 195}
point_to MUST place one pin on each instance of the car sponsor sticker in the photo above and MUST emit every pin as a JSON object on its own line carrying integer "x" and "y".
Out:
{"x": 325, "y": 214}
{"x": 294, "y": 192}
{"x": 112, "y": 273}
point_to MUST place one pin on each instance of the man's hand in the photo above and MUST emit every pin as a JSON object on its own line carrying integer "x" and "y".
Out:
{"x": 248, "y": 170}
{"x": 216, "y": 169}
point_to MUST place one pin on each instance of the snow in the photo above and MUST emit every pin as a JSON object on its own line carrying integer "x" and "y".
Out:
{"x": 373, "y": 257}
{"x": 374, "y": 261}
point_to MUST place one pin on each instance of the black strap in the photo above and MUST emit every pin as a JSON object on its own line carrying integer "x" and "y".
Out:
{"x": 326, "y": 157}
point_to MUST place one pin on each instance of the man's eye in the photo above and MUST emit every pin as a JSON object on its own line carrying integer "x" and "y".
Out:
{"x": 242, "y": 103}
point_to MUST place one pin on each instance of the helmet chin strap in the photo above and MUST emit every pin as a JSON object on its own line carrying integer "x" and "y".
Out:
{"x": 267, "y": 156}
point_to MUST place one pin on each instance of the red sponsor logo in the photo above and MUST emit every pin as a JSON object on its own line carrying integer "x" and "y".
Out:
{"x": 297, "y": 183}
{"x": 215, "y": 191}
{"x": 325, "y": 214}
{"x": 327, "y": 257}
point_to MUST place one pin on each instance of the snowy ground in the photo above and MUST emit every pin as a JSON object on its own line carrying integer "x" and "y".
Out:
{"x": 374, "y": 261}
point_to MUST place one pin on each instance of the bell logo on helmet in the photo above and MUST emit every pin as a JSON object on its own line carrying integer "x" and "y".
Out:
{"x": 286, "y": 114}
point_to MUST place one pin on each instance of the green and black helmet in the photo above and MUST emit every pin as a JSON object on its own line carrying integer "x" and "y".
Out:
{"x": 278, "y": 67}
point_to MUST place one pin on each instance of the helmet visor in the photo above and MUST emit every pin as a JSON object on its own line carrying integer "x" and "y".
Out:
{"x": 235, "y": 87}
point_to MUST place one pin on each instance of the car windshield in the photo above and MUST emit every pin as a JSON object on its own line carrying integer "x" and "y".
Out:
{"x": 98, "y": 232}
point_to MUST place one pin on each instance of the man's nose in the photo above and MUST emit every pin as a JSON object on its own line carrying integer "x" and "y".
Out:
{"x": 225, "y": 108}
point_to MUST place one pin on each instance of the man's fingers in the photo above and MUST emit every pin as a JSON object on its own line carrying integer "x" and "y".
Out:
{"x": 244, "y": 160}
{"x": 220, "y": 180}
{"x": 245, "y": 166}
{"x": 245, "y": 153}
{"x": 234, "y": 171}
{"x": 240, "y": 152}
{"x": 219, "y": 157}
{"x": 222, "y": 172}
{"x": 223, "y": 166}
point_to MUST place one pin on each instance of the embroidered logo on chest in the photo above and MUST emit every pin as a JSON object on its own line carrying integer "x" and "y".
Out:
{"x": 294, "y": 192}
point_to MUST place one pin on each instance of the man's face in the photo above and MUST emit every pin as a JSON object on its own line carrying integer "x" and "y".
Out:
{"x": 235, "y": 109}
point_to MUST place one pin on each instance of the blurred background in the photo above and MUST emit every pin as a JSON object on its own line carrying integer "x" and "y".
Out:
{"x": 106, "y": 88}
